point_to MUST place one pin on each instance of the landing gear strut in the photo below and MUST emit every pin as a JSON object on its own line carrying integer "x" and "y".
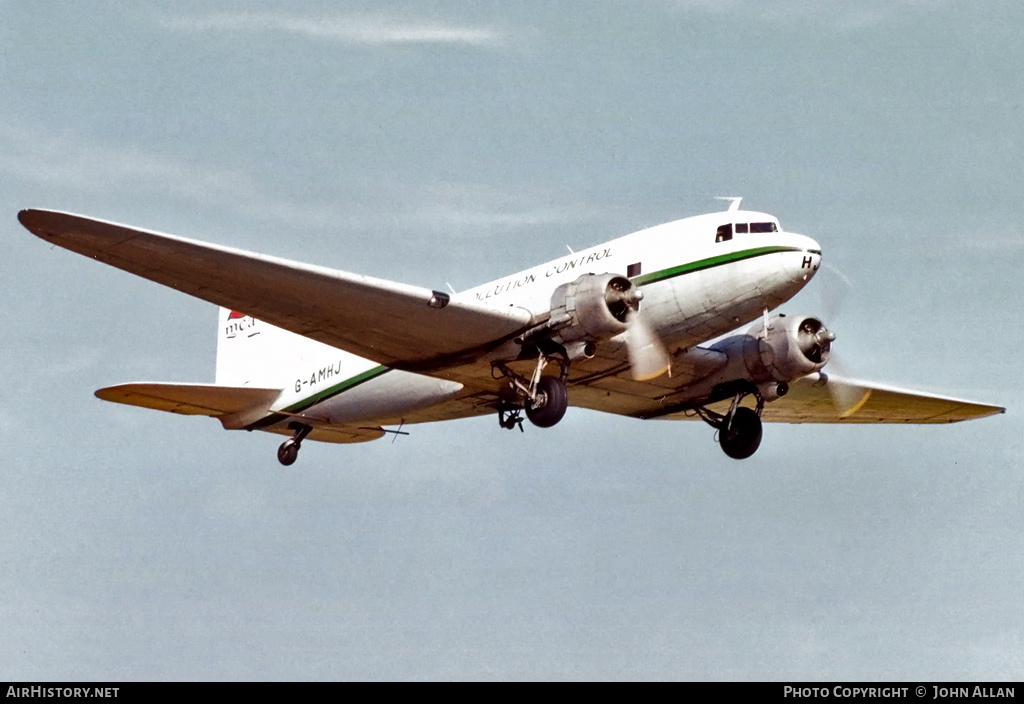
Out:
{"x": 289, "y": 450}
{"x": 739, "y": 430}
{"x": 543, "y": 398}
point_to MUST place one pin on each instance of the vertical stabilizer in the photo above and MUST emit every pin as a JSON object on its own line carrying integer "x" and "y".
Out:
{"x": 251, "y": 352}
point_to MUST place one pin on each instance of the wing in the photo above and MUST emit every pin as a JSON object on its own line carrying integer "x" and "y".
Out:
{"x": 811, "y": 399}
{"x": 849, "y": 401}
{"x": 391, "y": 323}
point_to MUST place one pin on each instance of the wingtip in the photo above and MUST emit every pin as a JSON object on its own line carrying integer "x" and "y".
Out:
{"x": 44, "y": 224}
{"x": 30, "y": 219}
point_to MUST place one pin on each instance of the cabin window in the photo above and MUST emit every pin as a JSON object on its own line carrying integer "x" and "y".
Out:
{"x": 723, "y": 233}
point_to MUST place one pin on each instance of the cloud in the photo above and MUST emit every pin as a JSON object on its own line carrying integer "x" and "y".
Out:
{"x": 70, "y": 162}
{"x": 1009, "y": 242}
{"x": 454, "y": 205}
{"x": 365, "y": 30}
{"x": 74, "y": 163}
{"x": 844, "y": 15}
{"x": 67, "y": 160}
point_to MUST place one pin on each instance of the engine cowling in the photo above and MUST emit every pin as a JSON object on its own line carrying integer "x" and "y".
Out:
{"x": 592, "y": 308}
{"x": 791, "y": 347}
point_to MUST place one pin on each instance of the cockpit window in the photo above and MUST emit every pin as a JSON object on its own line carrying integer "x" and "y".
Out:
{"x": 725, "y": 232}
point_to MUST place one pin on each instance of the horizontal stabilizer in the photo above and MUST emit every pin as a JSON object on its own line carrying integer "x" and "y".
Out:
{"x": 234, "y": 406}
{"x": 190, "y": 399}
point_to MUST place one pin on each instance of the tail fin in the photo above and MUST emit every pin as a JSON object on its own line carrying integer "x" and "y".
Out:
{"x": 251, "y": 352}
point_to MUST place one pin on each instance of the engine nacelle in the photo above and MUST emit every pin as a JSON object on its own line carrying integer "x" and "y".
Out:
{"x": 794, "y": 346}
{"x": 592, "y": 308}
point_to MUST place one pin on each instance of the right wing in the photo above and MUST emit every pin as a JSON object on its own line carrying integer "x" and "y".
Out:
{"x": 391, "y": 323}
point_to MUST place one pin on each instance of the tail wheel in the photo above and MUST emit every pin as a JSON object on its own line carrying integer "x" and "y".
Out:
{"x": 288, "y": 452}
{"x": 552, "y": 399}
{"x": 743, "y": 435}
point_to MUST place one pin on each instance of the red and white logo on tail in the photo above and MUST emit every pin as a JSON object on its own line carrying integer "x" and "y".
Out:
{"x": 251, "y": 352}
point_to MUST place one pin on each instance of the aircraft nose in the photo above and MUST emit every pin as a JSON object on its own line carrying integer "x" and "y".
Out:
{"x": 810, "y": 253}
{"x": 815, "y": 250}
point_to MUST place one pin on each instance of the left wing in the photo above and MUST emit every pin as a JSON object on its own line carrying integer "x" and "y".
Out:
{"x": 812, "y": 399}
{"x": 848, "y": 401}
{"x": 391, "y": 323}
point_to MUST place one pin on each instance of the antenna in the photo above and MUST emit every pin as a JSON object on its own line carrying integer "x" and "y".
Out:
{"x": 734, "y": 202}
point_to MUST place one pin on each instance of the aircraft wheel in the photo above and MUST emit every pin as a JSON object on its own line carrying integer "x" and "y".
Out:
{"x": 743, "y": 437}
{"x": 288, "y": 452}
{"x": 552, "y": 400}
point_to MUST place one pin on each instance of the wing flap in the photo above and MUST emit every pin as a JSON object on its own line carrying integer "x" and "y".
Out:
{"x": 388, "y": 322}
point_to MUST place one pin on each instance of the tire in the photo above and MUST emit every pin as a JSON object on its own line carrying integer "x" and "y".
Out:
{"x": 552, "y": 400}
{"x": 743, "y": 437}
{"x": 288, "y": 453}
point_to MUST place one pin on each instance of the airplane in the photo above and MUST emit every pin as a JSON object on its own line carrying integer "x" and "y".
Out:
{"x": 647, "y": 326}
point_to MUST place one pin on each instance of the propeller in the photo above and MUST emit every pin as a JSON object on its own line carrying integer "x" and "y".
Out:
{"x": 648, "y": 357}
{"x": 846, "y": 397}
{"x": 815, "y": 340}
{"x": 834, "y": 290}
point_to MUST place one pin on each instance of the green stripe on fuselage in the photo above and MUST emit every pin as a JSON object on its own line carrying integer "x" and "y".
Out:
{"x": 319, "y": 396}
{"x": 709, "y": 263}
{"x": 641, "y": 280}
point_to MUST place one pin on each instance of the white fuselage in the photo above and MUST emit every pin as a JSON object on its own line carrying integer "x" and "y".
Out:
{"x": 697, "y": 285}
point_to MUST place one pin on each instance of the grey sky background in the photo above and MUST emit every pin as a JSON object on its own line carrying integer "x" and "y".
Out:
{"x": 457, "y": 142}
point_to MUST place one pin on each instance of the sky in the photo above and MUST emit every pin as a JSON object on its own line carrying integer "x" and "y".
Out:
{"x": 452, "y": 142}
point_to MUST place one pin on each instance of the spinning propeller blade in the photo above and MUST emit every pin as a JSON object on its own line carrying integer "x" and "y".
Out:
{"x": 647, "y": 355}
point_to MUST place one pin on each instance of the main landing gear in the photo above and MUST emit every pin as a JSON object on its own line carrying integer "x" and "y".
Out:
{"x": 544, "y": 399}
{"x": 289, "y": 450}
{"x": 739, "y": 430}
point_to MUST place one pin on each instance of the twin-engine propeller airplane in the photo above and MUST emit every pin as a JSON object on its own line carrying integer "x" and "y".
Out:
{"x": 321, "y": 354}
